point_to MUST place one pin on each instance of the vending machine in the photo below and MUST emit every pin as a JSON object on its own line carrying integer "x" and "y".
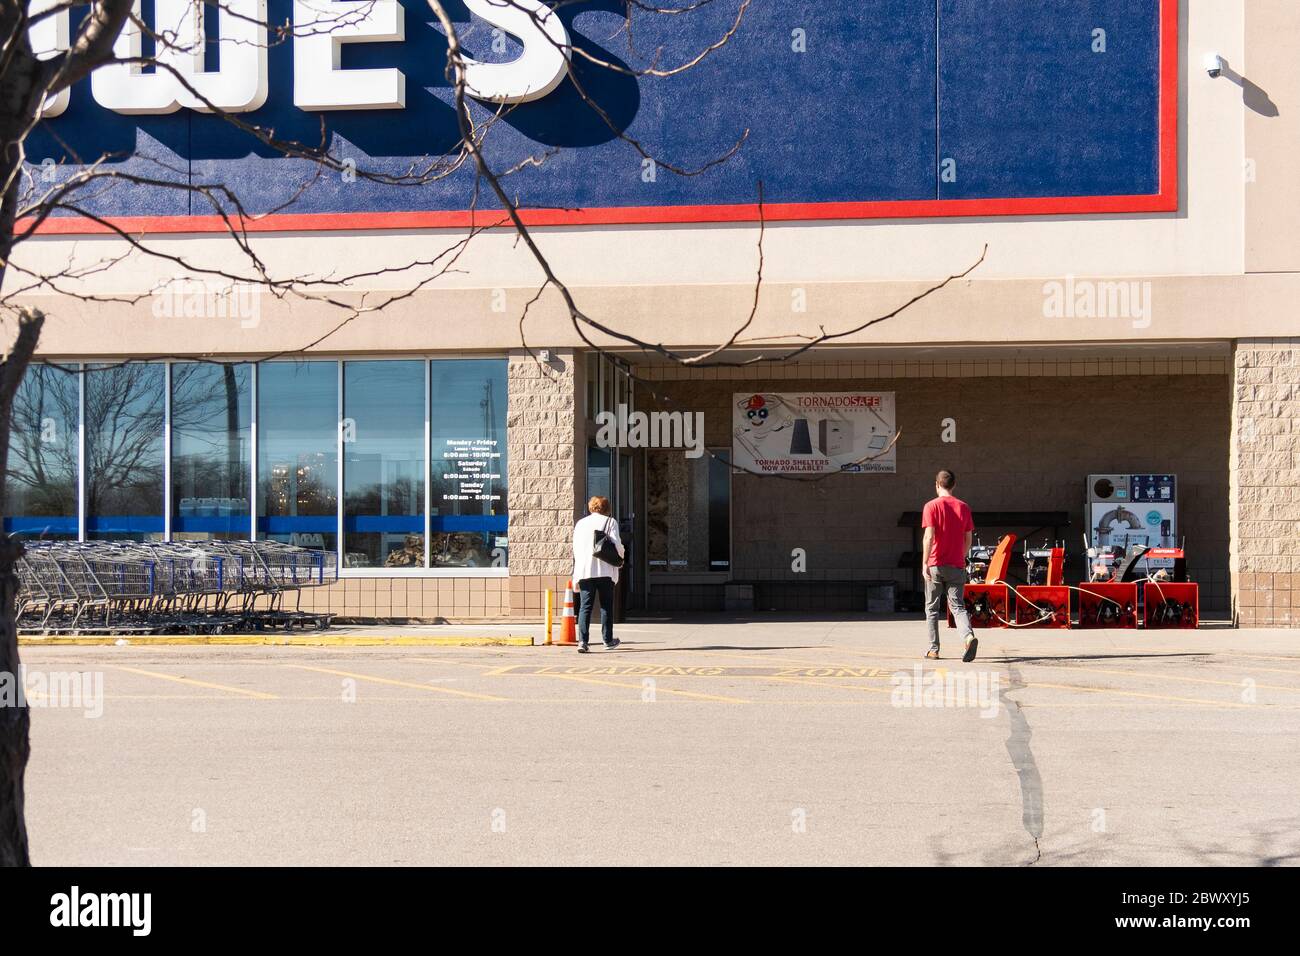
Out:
{"x": 1124, "y": 511}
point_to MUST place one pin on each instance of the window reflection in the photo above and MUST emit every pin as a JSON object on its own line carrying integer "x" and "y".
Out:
{"x": 600, "y": 463}
{"x": 41, "y": 483}
{"x": 688, "y": 512}
{"x": 125, "y": 405}
{"x": 468, "y": 463}
{"x": 383, "y": 464}
{"x": 297, "y": 453}
{"x": 211, "y": 412}
{"x": 396, "y": 434}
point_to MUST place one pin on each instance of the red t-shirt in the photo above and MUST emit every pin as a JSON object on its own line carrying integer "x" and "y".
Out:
{"x": 950, "y": 518}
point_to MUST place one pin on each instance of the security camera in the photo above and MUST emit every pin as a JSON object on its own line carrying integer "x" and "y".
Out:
{"x": 1214, "y": 65}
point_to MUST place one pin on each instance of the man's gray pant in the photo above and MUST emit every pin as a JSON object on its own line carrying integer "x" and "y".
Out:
{"x": 946, "y": 581}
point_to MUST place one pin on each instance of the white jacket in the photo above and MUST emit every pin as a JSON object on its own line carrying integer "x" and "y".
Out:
{"x": 585, "y": 565}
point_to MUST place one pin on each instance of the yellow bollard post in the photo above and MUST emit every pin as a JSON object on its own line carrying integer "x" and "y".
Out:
{"x": 549, "y": 611}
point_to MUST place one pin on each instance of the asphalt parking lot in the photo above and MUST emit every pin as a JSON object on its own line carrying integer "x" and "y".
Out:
{"x": 773, "y": 741}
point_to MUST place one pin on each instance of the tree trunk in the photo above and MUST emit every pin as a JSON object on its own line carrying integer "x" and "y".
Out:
{"x": 15, "y": 719}
{"x": 22, "y": 90}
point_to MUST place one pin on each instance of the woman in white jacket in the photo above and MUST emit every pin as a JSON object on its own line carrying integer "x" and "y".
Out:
{"x": 592, "y": 576}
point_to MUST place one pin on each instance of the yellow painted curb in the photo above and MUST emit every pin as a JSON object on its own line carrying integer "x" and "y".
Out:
{"x": 271, "y": 640}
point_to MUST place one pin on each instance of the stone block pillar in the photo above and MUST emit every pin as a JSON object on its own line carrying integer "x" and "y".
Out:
{"x": 541, "y": 430}
{"x": 1264, "y": 483}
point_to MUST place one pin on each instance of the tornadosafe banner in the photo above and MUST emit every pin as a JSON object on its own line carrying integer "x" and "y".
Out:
{"x": 813, "y": 433}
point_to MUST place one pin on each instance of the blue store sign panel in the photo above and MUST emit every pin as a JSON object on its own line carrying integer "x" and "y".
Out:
{"x": 869, "y": 109}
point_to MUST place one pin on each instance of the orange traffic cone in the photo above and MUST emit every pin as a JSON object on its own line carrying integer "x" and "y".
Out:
{"x": 568, "y": 619}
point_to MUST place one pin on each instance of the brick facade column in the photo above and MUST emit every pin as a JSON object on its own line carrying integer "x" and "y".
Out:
{"x": 1264, "y": 483}
{"x": 541, "y": 434}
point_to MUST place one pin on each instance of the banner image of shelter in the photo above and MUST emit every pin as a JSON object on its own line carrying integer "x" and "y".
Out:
{"x": 814, "y": 433}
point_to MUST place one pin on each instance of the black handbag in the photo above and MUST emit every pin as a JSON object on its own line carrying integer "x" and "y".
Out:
{"x": 605, "y": 549}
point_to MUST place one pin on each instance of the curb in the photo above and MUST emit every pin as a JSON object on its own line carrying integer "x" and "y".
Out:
{"x": 270, "y": 640}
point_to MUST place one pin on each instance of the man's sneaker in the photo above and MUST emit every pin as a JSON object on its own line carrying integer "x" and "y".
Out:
{"x": 582, "y": 648}
{"x": 613, "y": 644}
{"x": 932, "y": 654}
{"x": 972, "y": 645}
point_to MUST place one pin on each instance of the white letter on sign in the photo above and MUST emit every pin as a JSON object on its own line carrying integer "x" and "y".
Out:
{"x": 320, "y": 28}
{"x": 238, "y": 85}
{"x": 123, "y": 87}
{"x": 541, "y": 67}
{"x": 49, "y": 37}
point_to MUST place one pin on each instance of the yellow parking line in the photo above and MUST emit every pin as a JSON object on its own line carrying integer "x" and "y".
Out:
{"x": 398, "y": 683}
{"x": 257, "y": 694}
{"x": 1176, "y": 677}
{"x": 169, "y": 697}
{"x": 815, "y": 682}
{"x": 271, "y": 639}
{"x": 806, "y": 663}
{"x": 906, "y": 660}
{"x": 666, "y": 690}
{"x": 1261, "y": 657}
{"x": 436, "y": 660}
{"x": 1132, "y": 693}
{"x": 1256, "y": 670}
{"x": 1233, "y": 665}
{"x": 809, "y": 667}
{"x": 1210, "y": 653}
{"x": 878, "y": 673}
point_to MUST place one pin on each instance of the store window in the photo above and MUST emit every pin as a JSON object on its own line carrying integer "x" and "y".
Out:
{"x": 609, "y": 385}
{"x": 125, "y": 409}
{"x": 592, "y": 405}
{"x": 297, "y": 453}
{"x": 600, "y": 472}
{"x": 607, "y": 377}
{"x": 383, "y": 433}
{"x": 623, "y": 389}
{"x": 41, "y": 483}
{"x": 211, "y": 434}
{"x": 467, "y": 425}
{"x": 719, "y": 509}
{"x": 402, "y": 423}
{"x": 688, "y": 512}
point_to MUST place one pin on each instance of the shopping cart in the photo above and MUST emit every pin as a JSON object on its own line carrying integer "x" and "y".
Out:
{"x": 208, "y": 587}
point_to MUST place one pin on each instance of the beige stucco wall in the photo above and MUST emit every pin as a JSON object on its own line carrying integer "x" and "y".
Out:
{"x": 970, "y": 311}
{"x": 1270, "y": 91}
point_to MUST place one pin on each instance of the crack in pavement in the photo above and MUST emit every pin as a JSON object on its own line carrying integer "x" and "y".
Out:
{"x": 1022, "y": 757}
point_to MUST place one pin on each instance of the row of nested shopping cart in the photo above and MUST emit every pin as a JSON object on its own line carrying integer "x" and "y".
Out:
{"x": 208, "y": 587}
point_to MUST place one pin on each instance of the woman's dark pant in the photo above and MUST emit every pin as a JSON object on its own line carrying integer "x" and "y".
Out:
{"x": 588, "y": 589}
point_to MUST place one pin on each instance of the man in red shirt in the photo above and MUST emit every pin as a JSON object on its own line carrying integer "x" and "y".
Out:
{"x": 948, "y": 526}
